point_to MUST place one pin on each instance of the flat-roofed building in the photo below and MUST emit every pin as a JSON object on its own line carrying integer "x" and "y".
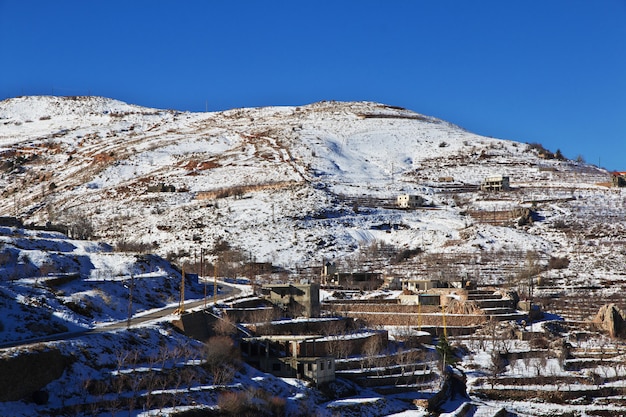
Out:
{"x": 496, "y": 183}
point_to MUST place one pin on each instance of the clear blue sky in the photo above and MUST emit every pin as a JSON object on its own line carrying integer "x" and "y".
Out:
{"x": 546, "y": 71}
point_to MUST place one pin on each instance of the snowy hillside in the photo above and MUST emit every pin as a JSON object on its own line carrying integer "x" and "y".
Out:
{"x": 293, "y": 185}
{"x": 272, "y": 193}
{"x": 52, "y": 284}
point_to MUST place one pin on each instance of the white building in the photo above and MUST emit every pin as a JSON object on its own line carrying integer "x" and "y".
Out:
{"x": 409, "y": 201}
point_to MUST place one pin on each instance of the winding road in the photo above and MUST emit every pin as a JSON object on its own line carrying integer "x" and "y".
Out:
{"x": 227, "y": 291}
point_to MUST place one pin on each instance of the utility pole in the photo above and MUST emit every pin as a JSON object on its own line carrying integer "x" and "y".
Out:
{"x": 181, "y": 304}
{"x": 443, "y": 314}
{"x": 215, "y": 282}
{"x": 202, "y": 273}
{"x": 130, "y": 301}
{"x": 419, "y": 315}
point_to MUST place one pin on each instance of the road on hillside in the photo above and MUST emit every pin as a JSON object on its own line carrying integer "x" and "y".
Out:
{"x": 227, "y": 292}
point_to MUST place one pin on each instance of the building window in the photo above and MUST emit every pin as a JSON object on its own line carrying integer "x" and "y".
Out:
{"x": 310, "y": 367}
{"x": 330, "y": 365}
{"x": 322, "y": 366}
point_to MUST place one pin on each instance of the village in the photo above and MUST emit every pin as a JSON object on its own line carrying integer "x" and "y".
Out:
{"x": 391, "y": 334}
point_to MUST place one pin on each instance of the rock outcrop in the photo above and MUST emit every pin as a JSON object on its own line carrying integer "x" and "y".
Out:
{"x": 611, "y": 319}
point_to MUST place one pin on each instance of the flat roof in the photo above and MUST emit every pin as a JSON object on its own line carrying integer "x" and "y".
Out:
{"x": 306, "y": 358}
{"x": 282, "y": 338}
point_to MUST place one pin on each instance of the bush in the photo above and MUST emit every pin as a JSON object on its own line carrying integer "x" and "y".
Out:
{"x": 537, "y": 147}
{"x": 558, "y": 263}
{"x": 253, "y": 402}
{"x": 407, "y": 254}
{"x": 135, "y": 247}
{"x": 233, "y": 403}
{"x": 220, "y": 350}
{"x": 221, "y": 358}
{"x": 560, "y": 224}
{"x": 80, "y": 227}
{"x": 540, "y": 342}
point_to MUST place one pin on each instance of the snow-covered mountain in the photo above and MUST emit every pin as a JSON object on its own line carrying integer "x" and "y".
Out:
{"x": 296, "y": 185}
{"x": 291, "y": 186}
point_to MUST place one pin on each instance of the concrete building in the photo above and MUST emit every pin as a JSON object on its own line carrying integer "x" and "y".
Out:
{"x": 298, "y": 299}
{"x": 418, "y": 285}
{"x": 329, "y": 269}
{"x": 409, "y": 201}
{"x": 364, "y": 281}
{"x": 280, "y": 356}
{"x": 317, "y": 369}
{"x": 497, "y": 183}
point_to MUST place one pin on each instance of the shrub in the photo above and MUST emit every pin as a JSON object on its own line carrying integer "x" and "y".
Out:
{"x": 128, "y": 246}
{"x": 558, "y": 263}
{"x": 537, "y": 147}
{"x": 540, "y": 342}
{"x": 253, "y": 402}
{"x": 407, "y": 254}
{"x": 221, "y": 358}
{"x": 225, "y": 326}
{"x": 80, "y": 227}
{"x": 233, "y": 403}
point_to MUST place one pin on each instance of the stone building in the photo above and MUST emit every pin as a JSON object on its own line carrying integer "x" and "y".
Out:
{"x": 618, "y": 179}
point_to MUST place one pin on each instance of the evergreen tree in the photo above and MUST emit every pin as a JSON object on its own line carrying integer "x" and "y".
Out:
{"x": 445, "y": 351}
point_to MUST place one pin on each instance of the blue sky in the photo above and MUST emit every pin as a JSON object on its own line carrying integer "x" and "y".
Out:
{"x": 545, "y": 71}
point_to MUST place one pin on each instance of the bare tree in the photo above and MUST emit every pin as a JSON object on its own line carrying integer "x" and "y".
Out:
{"x": 408, "y": 360}
{"x": 338, "y": 346}
{"x": 134, "y": 380}
{"x": 540, "y": 362}
{"x": 225, "y": 326}
{"x": 497, "y": 366}
{"x": 80, "y": 226}
{"x": 150, "y": 382}
{"x": 334, "y": 327}
{"x": 372, "y": 347}
{"x": 221, "y": 358}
